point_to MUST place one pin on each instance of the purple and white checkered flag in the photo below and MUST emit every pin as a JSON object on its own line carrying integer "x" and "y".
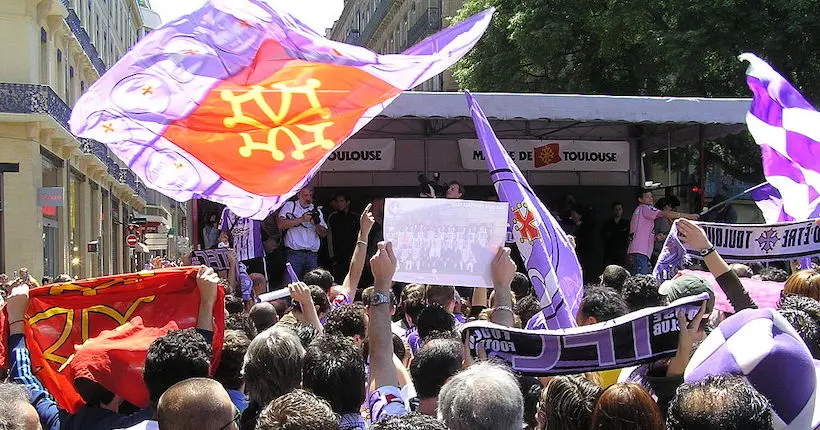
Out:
{"x": 761, "y": 346}
{"x": 787, "y": 128}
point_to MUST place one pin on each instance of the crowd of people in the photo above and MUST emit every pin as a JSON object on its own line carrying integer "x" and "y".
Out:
{"x": 391, "y": 356}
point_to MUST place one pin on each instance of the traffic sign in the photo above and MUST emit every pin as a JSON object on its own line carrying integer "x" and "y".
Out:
{"x": 131, "y": 240}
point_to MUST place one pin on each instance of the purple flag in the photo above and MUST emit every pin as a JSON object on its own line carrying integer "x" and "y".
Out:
{"x": 550, "y": 259}
{"x": 241, "y": 104}
{"x": 770, "y": 202}
{"x": 787, "y": 129}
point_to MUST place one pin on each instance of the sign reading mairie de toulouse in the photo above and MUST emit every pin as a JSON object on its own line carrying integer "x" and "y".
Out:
{"x": 362, "y": 154}
{"x": 556, "y": 155}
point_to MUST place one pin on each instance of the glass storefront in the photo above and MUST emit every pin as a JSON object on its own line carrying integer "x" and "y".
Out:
{"x": 76, "y": 249}
{"x": 116, "y": 235}
{"x": 105, "y": 239}
{"x": 94, "y": 259}
{"x": 52, "y": 171}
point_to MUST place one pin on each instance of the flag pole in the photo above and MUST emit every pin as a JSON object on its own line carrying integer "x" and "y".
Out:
{"x": 735, "y": 197}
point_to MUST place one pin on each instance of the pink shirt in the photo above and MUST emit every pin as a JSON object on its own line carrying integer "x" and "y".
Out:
{"x": 641, "y": 238}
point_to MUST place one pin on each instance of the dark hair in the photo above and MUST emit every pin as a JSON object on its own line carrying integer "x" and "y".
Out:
{"x": 614, "y": 276}
{"x": 803, "y": 313}
{"x": 264, "y": 316}
{"x": 673, "y": 201}
{"x": 603, "y": 303}
{"x": 175, "y": 357}
{"x": 233, "y": 304}
{"x": 409, "y": 421}
{"x": 12, "y": 399}
{"x": 241, "y": 322}
{"x": 641, "y": 191}
{"x": 320, "y": 299}
{"x": 434, "y": 319}
{"x": 343, "y": 195}
{"x": 531, "y": 390}
{"x": 434, "y": 364}
{"x": 234, "y": 347}
{"x": 413, "y": 300}
{"x": 521, "y": 285}
{"x": 46, "y": 280}
{"x": 641, "y": 291}
{"x": 347, "y": 320}
{"x": 661, "y": 203}
{"x": 460, "y": 187}
{"x": 297, "y": 410}
{"x": 626, "y": 406}
{"x": 305, "y": 332}
{"x": 720, "y": 402}
{"x": 773, "y": 274}
{"x": 526, "y": 308}
{"x": 334, "y": 370}
{"x": 92, "y": 393}
{"x": 440, "y": 295}
{"x": 616, "y": 204}
{"x": 566, "y": 402}
{"x": 321, "y": 277}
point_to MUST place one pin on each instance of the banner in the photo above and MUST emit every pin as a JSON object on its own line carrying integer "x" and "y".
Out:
{"x": 635, "y": 338}
{"x": 738, "y": 243}
{"x": 216, "y": 259}
{"x": 61, "y": 316}
{"x": 553, "y": 155}
{"x": 362, "y": 155}
{"x": 445, "y": 241}
{"x": 50, "y": 196}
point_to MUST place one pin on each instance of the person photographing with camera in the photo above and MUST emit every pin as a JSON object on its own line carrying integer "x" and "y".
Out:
{"x": 304, "y": 227}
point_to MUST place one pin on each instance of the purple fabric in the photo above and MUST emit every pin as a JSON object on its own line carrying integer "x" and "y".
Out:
{"x": 180, "y": 63}
{"x": 246, "y": 234}
{"x": 550, "y": 259}
{"x": 792, "y": 164}
{"x": 779, "y": 365}
{"x": 770, "y": 202}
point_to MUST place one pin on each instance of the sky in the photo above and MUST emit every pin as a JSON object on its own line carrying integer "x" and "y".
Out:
{"x": 318, "y": 14}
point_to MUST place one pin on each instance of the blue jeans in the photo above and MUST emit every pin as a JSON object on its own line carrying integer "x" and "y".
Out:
{"x": 302, "y": 262}
{"x": 638, "y": 264}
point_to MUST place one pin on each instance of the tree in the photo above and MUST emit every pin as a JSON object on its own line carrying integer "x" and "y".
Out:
{"x": 644, "y": 47}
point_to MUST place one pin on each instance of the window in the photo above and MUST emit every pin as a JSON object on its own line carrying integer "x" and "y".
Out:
{"x": 43, "y": 56}
{"x": 61, "y": 75}
{"x": 52, "y": 172}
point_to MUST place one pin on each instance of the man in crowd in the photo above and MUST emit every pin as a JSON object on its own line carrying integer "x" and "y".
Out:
{"x": 305, "y": 226}
{"x": 343, "y": 226}
{"x": 245, "y": 236}
{"x": 641, "y": 236}
{"x": 615, "y": 236}
{"x": 196, "y": 403}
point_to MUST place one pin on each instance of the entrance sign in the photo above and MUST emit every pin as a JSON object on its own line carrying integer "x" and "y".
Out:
{"x": 362, "y": 155}
{"x": 131, "y": 240}
{"x": 444, "y": 241}
{"x": 553, "y": 155}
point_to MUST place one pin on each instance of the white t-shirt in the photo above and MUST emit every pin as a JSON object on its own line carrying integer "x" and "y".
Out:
{"x": 145, "y": 425}
{"x": 302, "y": 237}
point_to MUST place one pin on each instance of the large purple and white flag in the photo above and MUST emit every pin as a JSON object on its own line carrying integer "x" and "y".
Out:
{"x": 550, "y": 259}
{"x": 241, "y": 104}
{"x": 787, "y": 128}
{"x": 770, "y": 202}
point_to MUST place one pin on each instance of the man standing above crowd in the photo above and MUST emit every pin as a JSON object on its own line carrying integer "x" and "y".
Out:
{"x": 615, "y": 235}
{"x": 245, "y": 235}
{"x": 641, "y": 236}
{"x": 305, "y": 227}
{"x": 343, "y": 227}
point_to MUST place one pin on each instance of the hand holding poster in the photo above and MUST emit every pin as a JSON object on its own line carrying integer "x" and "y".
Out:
{"x": 442, "y": 241}
{"x": 635, "y": 338}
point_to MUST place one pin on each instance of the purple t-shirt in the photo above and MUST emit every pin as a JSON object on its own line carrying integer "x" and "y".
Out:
{"x": 246, "y": 233}
{"x": 641, "y": 238}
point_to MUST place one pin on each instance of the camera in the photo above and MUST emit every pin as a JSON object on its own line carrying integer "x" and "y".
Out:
{"x": 431, "y": 187}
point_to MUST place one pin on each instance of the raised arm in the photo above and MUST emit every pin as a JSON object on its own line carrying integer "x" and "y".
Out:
{"x": 382, "y": 372}
{"x": 300, "y": 293}
{"x": 206, "y": 282}
{"x": 503, "y": 271}
{"x": 354, "y": 274}
{"x": 673, "y": 215}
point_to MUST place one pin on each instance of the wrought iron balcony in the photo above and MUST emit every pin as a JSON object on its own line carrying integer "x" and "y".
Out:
{"x": 113, "y": 168}
{"x": 428, "y": 23}
{"x": 98, "y": 149}
{"x": 352, "y": 37}
{"x": 33, "y": 99}
{"x": 129, "y": 178}
{"x": 375, "y": 20}
{"x": 82, "y": 36}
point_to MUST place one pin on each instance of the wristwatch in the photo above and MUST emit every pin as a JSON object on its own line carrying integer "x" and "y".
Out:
{"x": 378, "y": 298}
{"x": 707, "y": 251}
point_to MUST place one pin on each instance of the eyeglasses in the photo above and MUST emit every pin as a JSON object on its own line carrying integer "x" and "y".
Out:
{"x": 236, "y": 416}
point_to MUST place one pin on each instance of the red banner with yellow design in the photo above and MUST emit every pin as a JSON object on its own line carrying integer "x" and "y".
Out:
{"x": 61, "y": 316}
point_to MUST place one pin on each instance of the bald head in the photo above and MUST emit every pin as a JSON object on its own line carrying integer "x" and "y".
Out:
{"x": 195, "y": 404}
{"x": 263, "y": 316}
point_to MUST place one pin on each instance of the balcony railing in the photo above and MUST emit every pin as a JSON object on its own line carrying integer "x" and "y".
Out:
{"x": 375, "y": 20}
{"x": 82, "y": 36}
{"x": 129, "y": 178}
{"x": 428, "y": 23}
{"x": 352, "y": 37}
{"x": 113, "y": 168}
{"x": 95, "y": 148}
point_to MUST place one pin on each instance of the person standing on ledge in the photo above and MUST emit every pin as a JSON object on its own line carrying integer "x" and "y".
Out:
{"x": 641, "y": 236}
{"x": 305, "y": 226}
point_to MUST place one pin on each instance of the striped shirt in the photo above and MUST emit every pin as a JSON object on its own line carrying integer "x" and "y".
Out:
{"x": 246, "y": 234}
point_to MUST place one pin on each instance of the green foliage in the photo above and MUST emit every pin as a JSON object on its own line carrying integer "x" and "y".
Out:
{"x": 645, "y": 47}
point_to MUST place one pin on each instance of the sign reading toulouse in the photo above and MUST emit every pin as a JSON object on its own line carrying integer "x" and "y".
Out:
{"x": 635, "y": 338}
{"x": 362, "y": 154}
{"x": 561, "y": 155}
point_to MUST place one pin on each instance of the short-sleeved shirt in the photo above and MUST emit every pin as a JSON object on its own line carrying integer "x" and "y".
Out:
{"x": 246, "y": 233}
{"x": 384, "y": 402}
{"x": 641, "y": 238}
{"x": 302, "y": 237}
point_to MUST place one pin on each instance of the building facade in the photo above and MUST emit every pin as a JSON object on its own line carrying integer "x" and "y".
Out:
{"x": 392, "y": 26}
{"x": 68, "y": 195}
